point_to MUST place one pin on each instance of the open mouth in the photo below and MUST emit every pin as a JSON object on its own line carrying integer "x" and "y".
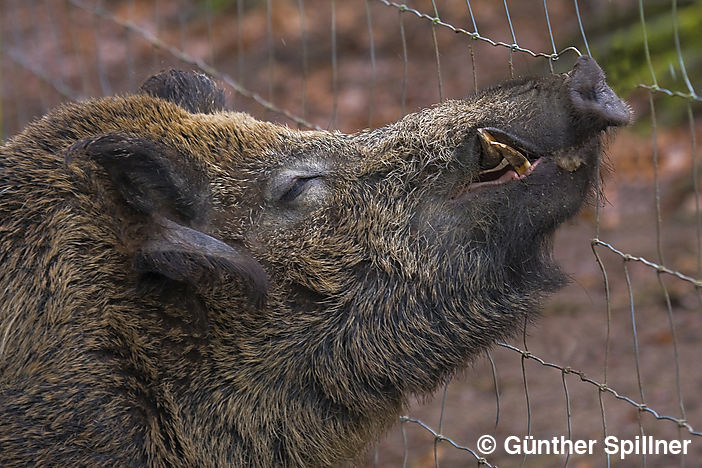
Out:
{"x": 500, "y": 176}
{"x": 499, "y": 162}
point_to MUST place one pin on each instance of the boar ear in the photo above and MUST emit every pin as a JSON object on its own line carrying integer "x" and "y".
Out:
{"x": 195, "y": 92}
{"x": 151, "y": 177}
{"x": 160, "y": 182}
{"x": 183, "y": 254}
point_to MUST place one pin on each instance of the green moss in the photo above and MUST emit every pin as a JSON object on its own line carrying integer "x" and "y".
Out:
{"x": 617, "y": 42}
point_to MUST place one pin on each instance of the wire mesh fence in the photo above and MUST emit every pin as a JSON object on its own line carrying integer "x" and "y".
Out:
{"x": 617, "y": 352}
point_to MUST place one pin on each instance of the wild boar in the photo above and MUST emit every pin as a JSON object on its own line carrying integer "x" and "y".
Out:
{"x": 186, "y": 286}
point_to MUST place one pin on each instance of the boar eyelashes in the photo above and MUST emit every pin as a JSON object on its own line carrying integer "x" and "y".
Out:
{"x": 297, "y": 187}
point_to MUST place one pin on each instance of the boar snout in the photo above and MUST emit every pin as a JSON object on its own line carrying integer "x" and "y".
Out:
{"x": 593, "y": 99}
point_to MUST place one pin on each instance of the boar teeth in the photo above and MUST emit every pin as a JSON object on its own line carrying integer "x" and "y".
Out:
{"x": 504, "y": 163}
{"x": 516, "y": 159}
{"x": 491, "y": 156}
{"x": 495, "y": 154}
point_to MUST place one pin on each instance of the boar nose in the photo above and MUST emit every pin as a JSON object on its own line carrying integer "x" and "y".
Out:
{"x": 594, "y": 101}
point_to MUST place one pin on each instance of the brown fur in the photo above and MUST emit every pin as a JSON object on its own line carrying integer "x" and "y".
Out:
{"x": 205, "y": 289}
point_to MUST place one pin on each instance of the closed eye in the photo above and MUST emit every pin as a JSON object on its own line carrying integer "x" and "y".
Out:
{"x": 298, "y": 186}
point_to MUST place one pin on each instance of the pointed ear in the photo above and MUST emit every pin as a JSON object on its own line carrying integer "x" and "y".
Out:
{"x": 173, "y": 192}
{"x": 184, "y": 254}
{"x": 151, "y": 177}
{"x": 195, "y": 92}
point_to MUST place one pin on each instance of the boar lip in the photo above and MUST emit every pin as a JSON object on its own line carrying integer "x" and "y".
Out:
{"x": 504, "y": 178}
{"x": 512, "y": 140}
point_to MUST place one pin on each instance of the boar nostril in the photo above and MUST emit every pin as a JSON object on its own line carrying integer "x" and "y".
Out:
{"x": 592, "y": 98}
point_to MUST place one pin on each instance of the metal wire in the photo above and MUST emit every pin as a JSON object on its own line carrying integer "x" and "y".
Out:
{"x": 440, "y": 437}
{"x": 403, "y": 39}
{"x": 441, "y": 424}
{"x": 603, "y": 388}
{"x": 105, "y": 86}
{"x": 496, "y": 386}
{"x": 472, "y": 49}
{"x": 335, "y": 67}
{"x": 305, "y": 58}
{"x": 61, "y": 88}
{"x": 269, "y": 45}
{"x": 568, "y": 413}
{"x": 475, "y": 35}
{"x": 436, "y": 51}
{"x": 655, "y": 266}
{"x": 514, "y": 41}
{"x": 371, "y": 87}
{"x": 239, "y": 41}
{"x": 553, "y": 43}
{"x": 582, "y": 29}
{"x": 199, "y": 63}
{"x": 637, "y": 358}
{"x": 527, "y": 400}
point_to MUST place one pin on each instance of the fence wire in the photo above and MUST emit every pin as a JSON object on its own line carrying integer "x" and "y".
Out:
{"x": 18, "y": 38}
